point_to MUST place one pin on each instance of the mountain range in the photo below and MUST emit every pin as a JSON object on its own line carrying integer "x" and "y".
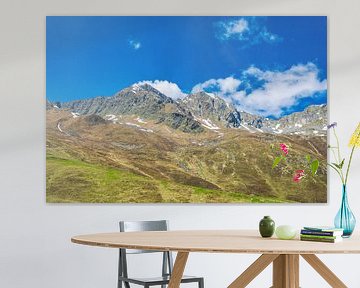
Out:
{"x": 142, "y": 146}
{"x": 196, "y": 112}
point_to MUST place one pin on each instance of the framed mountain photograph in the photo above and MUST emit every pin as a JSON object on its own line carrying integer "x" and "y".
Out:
{"x": 164, "y": 109}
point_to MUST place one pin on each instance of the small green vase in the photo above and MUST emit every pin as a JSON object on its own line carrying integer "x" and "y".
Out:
{"x": 267, "y": 227}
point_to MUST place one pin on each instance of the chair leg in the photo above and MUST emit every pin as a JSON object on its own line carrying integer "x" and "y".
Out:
{"x": 120, "y": 273}
{"x": 201, "y": 283}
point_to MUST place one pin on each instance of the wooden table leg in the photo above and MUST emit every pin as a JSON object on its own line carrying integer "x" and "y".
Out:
{"x": 253, "y": 270}
{"x": 286, "y": 271}
{"x": 178, "y": 269}
{"x": 293, "y": 262}
{"x": 324, "y": 271}
{"x": 279, "y": 269}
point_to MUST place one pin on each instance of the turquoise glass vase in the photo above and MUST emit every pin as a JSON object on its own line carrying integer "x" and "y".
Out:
{"x": 345, "y": 219}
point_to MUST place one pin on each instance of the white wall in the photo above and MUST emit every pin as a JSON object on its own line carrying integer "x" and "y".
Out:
{"x": 35, "y": 248}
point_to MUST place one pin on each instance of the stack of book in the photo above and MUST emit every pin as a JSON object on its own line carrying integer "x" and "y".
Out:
{"x": 321, "y": 234}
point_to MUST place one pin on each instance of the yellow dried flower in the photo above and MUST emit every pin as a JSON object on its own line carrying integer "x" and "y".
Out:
{"x": 355, "y": 138}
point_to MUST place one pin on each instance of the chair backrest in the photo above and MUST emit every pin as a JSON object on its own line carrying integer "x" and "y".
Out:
{"x": 133, "y": 226}
{"x": 137, "y": 226}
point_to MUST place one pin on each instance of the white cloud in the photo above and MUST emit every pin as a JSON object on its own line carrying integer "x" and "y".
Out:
{"x": 135, "y": 44}
{"x": 235, "y": 28}
{"x": 229, "y": 84}
{"x": 222, "y": 85}
{"x": 202, "y": 86}
{"x": 170, "y": 89}
{"x": 248, "y": 30}
{"x": 268, "y": 37}
{"x": 276, "y": 91}
{"x": 282, "y": 89}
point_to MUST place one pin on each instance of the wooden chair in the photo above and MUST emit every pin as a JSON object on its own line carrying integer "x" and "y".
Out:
{"x": 167, "y": 262}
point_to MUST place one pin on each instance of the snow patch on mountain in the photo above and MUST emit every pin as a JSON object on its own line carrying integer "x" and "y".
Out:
{"x": 212, "y": 95}
{"x": 133, "y": 124}
{"x": 208, "y": 124}
{"x": 147, "y": 130}
{"x": 111, "y": 117}
{"x": 139, "y": 127}
{"x": 138, "y": 119}
{"x": 135, "y": 88}
{"x": 247, "y": 128}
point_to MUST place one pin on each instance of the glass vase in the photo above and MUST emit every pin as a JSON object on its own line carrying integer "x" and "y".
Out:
{"x": 345, "y": 219}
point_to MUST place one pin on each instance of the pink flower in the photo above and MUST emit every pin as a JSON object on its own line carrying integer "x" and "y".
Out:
{"x": 284, "y": 148}
{"x": 299, "y": 174}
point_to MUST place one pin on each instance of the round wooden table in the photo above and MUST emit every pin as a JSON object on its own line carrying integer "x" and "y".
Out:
{"x": 284, "y": 254}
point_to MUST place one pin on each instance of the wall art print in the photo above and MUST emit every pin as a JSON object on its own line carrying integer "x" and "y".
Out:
{"x": 186, "y": 109}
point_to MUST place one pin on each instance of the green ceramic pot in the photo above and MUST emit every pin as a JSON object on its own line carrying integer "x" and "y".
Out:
{"x": 266, "y": 227}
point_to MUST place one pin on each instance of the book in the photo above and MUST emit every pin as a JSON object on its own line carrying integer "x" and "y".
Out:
{"x": 325, "y": 240}
{"x": 321, "y": 233}
{"x": 323, "y": 229}
{"x": 320, "y": 236}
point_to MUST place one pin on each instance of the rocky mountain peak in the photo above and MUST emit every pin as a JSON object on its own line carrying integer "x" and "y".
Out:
{"x": 205, "y": 105}
{"x": 196, "y": 111}
{"x": 141, "y": 90}
{"x": 142, "y": 100}
{"x": 52, "y": 105}
{"x": 209, "y": 106}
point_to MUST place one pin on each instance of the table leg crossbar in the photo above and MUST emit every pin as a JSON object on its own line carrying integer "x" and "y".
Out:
{"x": 254, "y": 270}
{"x": 285, "y": 271}
{"x": 324, "y": 271}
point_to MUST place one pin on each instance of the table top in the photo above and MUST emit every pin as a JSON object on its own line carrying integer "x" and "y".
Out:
{"x": 217, "y": 241}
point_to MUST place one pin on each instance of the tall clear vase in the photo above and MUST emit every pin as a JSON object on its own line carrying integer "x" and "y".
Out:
{"x": 345, "y": 219}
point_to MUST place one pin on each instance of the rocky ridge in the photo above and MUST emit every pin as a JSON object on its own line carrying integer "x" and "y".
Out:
{"x": 196, "y": 112}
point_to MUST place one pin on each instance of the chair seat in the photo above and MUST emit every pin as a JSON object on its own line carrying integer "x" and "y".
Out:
{"x": 158, "y": 280}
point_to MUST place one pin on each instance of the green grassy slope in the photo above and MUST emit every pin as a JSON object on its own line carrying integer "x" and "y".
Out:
{"x": 76, "y": 181}
{"x": 112, "y": 163}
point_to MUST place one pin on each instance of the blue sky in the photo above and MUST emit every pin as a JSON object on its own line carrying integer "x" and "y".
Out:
{"x": 266, "y": 65}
